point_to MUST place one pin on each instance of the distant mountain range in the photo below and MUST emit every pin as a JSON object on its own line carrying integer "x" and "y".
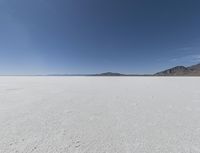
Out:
{"x": 110, "y": 74}
{"x": 193, "y": 70}
{"x": 119, "y": 74}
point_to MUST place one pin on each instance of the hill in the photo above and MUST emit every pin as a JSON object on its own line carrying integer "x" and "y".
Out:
{"x": 109, "y": 74}
{"x": 193, "y": 70}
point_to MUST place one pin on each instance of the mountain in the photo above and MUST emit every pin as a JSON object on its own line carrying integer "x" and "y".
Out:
{"x": 178, "y": 70}
{"x": 119, "y": 74}
{"x": 193, "y": 70}
{"x": 109, "y": 74}
{"x": 195, "y": 67}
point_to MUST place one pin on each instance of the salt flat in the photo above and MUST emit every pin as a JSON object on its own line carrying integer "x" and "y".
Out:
{"x": 99, "y": 115}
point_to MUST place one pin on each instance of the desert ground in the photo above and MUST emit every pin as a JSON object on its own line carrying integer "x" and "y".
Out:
{"x": 99, "y": 114}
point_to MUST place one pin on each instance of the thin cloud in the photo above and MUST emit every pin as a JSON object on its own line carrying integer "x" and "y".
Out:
{"x": 185, "y": 49}
{"x": 189, "y": 59}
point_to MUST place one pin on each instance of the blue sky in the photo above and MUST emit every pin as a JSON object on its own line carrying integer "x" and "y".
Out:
{"x": 93, "y": 36}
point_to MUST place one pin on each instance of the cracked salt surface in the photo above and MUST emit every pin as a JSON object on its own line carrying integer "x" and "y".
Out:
{"x": 99, "y": 114}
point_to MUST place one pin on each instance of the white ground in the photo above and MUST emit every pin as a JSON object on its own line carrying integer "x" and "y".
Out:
{"x": 99, "y": 115}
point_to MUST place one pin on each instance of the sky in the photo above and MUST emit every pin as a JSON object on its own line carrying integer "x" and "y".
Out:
{"x": 94, "y": 36}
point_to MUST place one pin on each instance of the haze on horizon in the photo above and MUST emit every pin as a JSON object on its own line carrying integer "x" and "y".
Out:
{"x": 94, "y": 36}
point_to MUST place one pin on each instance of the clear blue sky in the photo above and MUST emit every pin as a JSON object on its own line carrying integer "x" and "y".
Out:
{"x": 93, "y": 36}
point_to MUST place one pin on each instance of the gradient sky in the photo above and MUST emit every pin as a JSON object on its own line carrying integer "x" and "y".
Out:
{"x": 93, "y": 36}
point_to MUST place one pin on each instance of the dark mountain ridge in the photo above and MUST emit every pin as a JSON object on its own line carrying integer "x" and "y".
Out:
{"x": 193, "y": 70}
